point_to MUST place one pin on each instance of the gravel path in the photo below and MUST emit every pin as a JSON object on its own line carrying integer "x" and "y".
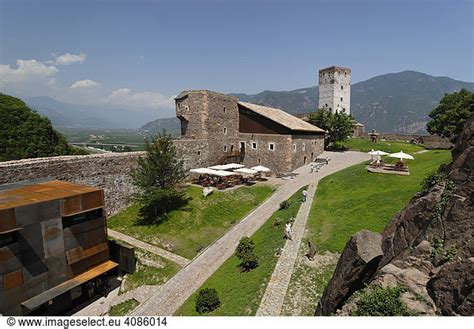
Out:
{"x": 177, "y": 290}
{"x": 148, "y": 247}
{"x": 272, "y": 301}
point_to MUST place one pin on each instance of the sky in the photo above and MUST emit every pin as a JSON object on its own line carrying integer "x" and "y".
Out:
{"x": 140, "y": 54}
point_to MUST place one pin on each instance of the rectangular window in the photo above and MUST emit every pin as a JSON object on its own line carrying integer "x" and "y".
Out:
{"x": 303, "y": 147}
{"x": 341, "y": 99}
{"x": 294, "y": 147}
{"x": 225, "y": 148}
{"x": 225, "y": 131}
{"x": 271, "y": 146}
{"x": 81, "y": 218}
{"x": 254, "y": 145}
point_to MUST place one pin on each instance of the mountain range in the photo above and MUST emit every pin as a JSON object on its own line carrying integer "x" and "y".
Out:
{"x": 394, "y": 102}
{"x": 65, "y": 115}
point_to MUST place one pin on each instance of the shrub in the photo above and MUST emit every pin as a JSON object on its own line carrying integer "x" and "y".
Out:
{"x": 284, "y": 205}
{"x": 245, "y": 252}
{"x": 377, "y": 301}
{"x": 278, "y": 222}
{"x": 433, "y": 179}
{"x": 207, "y": 300}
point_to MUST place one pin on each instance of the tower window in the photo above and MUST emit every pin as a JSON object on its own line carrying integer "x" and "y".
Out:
{"x": 199, "y": 153}
{"x": 341, "y": 99}
{"x": 271, "y": 146}
{"x": 224, "y": 109}
{"x": 258, "y": 160}
{"x": 294, "y": 147}
{"x": 254, "y": 145}
{"x": 303, "y": 147}
{"x": 186, "y": 108}
{"x": 225, "y": 131}
{"x": 342, "y": 87}
{"x": 225, "y": 148}
{"x": 326, "y": 105}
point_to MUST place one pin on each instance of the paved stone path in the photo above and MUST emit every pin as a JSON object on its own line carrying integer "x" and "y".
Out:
{"x": 272, "y": 301}
{"x": 148, "y": 247}
{"x": 178, "y": 289}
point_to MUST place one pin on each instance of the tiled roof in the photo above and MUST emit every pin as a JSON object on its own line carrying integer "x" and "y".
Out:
{"x": 281, "y": 117}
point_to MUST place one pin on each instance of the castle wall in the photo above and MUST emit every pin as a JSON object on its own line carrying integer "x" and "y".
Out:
{"x": 305, "y": 149}
{"x": 279, "y": 159}
{"x": 107, "y": 171}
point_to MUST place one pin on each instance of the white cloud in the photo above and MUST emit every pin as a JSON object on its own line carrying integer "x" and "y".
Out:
{"x": 144, "y": 99}
{"x": 26, "y": 70}
{"x": 84, "y": 84}
{"x": 68, "y": 59}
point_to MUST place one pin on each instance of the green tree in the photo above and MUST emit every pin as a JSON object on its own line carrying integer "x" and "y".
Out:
{"x": 338, "y": 126}
{"x": 448, "y": 118}
{"x": 26, "y": 134}
{"x": 156, "y": 176}
{"x": 245, "y": 252}
{"x": 207, "y": 300}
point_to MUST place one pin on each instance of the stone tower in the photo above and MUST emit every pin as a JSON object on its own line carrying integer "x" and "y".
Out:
{"x": 335, "y": 89}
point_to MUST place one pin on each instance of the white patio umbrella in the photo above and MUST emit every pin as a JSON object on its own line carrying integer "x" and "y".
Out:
{"x": 200, "y": 171}
{"x": 260, "y": 168}
{"x": 228, "y": 166}
{"x": 246, "y": 171}
{"x": 400, "y": 155}
{"x": 378, "y": 152}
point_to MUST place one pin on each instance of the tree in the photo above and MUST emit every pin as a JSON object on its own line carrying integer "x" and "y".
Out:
{"x": 207, "y": 300}
{"x": 245, "y": 252}
{"x": 448, "y": 118}
{"x": 338, "y": 126}
{"x": 26, "y": 134}
{"x": 156, "y": 176}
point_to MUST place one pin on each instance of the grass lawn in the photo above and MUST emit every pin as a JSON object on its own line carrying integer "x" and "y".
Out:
{"x": 354, "y": 199}
{"x": 123, "y": 308}
{"x": 239, "y": 292}
{"x": 149, "y": 275}
{"x": 198, "y": 224}
{"x": 364, "y": 145}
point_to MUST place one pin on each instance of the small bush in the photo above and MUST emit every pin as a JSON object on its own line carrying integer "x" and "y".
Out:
{"x": 284, "y": 205}
{"x": 245, "y": 252}
{"x": 379, "y": 301}
{"x": 278, "y": 222}
{"x": 207, "y": 300}
{"x": 433, "y": 179}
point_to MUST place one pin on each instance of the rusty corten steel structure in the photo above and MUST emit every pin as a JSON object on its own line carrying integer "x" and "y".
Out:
{"x": 54, "y": 251}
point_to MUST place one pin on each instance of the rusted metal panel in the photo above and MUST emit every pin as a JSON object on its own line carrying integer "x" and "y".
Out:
{"x": 71, "y": 205}
{"x": 47, "y": 295}
{"x": 7, "y": 220}
{"x": 89, "y": 262}
{"x": 13, "y": 279}
{"x": 92, "y": 200}
{"x": 77, "y": 254}
{"x": 41, "y": 192}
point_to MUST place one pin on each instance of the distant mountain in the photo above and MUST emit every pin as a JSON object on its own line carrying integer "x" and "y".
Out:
{"x": 171, "y": 125}
{"x": 85, "y": 116}
{"x": 394, "y": 102}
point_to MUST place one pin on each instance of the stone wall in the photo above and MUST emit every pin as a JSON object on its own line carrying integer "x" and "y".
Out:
{"x": 108, "y": 171}
{"x": 278, "y": 159}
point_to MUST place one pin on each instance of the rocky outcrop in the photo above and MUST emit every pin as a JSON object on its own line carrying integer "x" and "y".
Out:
{"x": 359, "y": 260}
{"x": 427, "y": 248}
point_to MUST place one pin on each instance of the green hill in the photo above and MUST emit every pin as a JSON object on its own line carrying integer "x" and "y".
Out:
{"x": 26, "y": 134}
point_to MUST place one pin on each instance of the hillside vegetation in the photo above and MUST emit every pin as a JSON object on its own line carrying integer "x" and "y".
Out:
{"x": 26, "y": 134}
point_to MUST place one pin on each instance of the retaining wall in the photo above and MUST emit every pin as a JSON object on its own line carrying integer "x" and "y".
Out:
{"x": 108, "y": 171}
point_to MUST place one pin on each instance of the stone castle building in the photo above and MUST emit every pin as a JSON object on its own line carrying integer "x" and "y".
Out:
{"x": 335, "y": 89}
{"x": 217, "y": 129}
